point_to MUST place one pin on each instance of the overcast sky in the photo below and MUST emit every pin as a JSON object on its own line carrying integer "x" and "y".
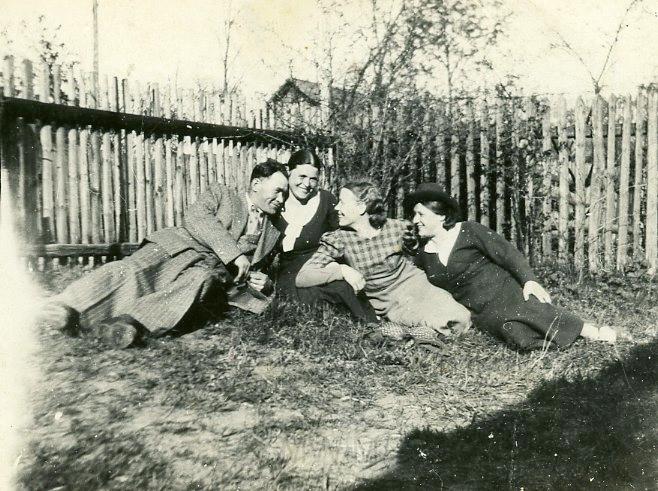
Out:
{"x": 160, "y": 39}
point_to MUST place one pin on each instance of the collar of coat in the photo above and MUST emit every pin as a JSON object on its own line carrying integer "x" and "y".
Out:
{"x": 269, "y": 235}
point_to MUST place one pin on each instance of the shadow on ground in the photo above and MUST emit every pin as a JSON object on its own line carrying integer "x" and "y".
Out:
{"x": 596, "y": 433}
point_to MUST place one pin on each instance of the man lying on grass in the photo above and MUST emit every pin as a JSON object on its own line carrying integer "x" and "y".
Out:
{"x": 181, "y": 276}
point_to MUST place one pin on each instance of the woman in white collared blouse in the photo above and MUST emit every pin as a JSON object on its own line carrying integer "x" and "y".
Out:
{"x": 308, "y": 214}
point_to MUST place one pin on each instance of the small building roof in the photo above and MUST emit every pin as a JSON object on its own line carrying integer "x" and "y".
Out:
{"x": 306, "y": 90}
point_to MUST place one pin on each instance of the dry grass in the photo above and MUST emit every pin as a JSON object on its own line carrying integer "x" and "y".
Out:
{"x": 297, "y": 399}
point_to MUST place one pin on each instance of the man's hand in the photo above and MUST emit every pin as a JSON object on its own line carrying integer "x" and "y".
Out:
{"x": 353, "y": 277}
{"x": 243, "y": 265}
{"x": 259, "y": 281}
{"x": 534, "y": 288}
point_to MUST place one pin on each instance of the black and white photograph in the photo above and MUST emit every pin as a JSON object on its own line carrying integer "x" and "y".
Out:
{"x": 328, "y": 244}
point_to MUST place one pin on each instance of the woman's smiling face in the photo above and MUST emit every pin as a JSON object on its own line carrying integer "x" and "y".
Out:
{"x": 428, "y": 222}
{"x": 349, "y": 208}
{"x": 303, "y": 181}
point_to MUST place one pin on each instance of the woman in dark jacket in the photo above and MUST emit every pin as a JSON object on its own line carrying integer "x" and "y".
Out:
{"x": 308, "y": 214}
{"x": 488, "y": 275}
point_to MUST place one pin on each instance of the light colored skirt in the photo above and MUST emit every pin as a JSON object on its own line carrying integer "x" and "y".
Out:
{"x": 413, "y": 301}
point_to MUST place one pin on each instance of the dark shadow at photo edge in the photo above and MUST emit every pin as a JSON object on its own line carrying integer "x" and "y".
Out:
{"x": 594, "y": 433}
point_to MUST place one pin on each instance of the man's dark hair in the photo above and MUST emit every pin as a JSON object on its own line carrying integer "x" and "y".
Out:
{"x": 267, "y": 168}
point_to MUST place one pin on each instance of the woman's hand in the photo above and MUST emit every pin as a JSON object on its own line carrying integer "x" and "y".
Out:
{"x": 353, "y": 277}
{"x": 410, "y": 240}
{"x": 534, "y": 288}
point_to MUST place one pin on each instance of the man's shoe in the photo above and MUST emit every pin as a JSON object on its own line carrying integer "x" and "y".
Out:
{"x": 61, "y": 316}
{"x": 119, "y": 332}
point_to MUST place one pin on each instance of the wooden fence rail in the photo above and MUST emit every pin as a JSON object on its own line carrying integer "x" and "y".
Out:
{"x": 87, "y": 179}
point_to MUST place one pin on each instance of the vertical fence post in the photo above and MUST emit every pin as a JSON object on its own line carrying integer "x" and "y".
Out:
{"x": 610, "y": 179}
{"x": 514, "y": 170}
{"x": 470, "y": 163}
{"x": 563, "y": 204}
{"x": 651, "y": 246}
{"x": 73, "y": 169}
{"x": 83, "y": 161}
{"x": 500, "y": 168}
{"x": 46, "y": 138}
{"x": 31, "y": 167}
{"x": 28, "y": 75}
{"x": 117, "y": 165}
{"x": 547, "y": 184}
{"x": 624, "y": 181}
{"x": 107, "y": 197}
{"x": 640, "y": 125}
{"x": 596, "y": 184}
{"x": 179, "y": 185}
{"x": 485, "y": 164}
{"x": 158, "y": 182}
{"x": 454, "y": 157}
{"x": 531, "y": 229}
{"x": 60, "y": 186}
{"x": 170, "y": 178}
{"x": 580, "y": 194}
{"x": 441, "y": 159}
{"x": 9, "y": 88}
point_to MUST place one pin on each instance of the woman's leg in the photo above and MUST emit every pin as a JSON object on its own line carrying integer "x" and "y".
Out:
{"x": 339, "y": 293}
{"x": 416, "y": 302}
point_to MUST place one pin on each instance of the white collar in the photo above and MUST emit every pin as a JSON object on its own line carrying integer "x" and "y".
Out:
{"x": 444, "y": 246}
{"x": 432, "y": 247}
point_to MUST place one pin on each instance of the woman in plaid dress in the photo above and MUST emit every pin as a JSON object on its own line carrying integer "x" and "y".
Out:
{"x": 367, "y": 253}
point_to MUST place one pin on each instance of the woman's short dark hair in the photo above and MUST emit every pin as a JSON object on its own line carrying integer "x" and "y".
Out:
{"x": 451, "y": 213}
{"x": 370, "y": 194}
{"x": 304, "y": 156}
{"x": 267, "y": 168}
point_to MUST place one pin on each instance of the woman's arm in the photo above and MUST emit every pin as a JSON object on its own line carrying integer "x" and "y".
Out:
{"x": 502, "y": 252}
{"x": 323, "y": 266}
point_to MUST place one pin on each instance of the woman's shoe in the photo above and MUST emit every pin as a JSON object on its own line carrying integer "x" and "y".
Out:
{"x": 605, "y": 334}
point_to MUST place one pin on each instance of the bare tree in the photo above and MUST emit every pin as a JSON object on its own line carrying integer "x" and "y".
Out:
{"x": 596, "y": 76}
{"x": 49, "y": 46}
{"x": 230, "y": 81}
{"x": 460, "y": 32}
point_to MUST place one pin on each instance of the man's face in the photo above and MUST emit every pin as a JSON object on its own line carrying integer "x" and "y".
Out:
{"x": 269, "y": 193}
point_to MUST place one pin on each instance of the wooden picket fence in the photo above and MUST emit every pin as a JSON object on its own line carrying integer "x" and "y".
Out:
{"x": 573, "y": 184}
{"x": 95, "y": 166}
{"x": 91, "y": 173}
